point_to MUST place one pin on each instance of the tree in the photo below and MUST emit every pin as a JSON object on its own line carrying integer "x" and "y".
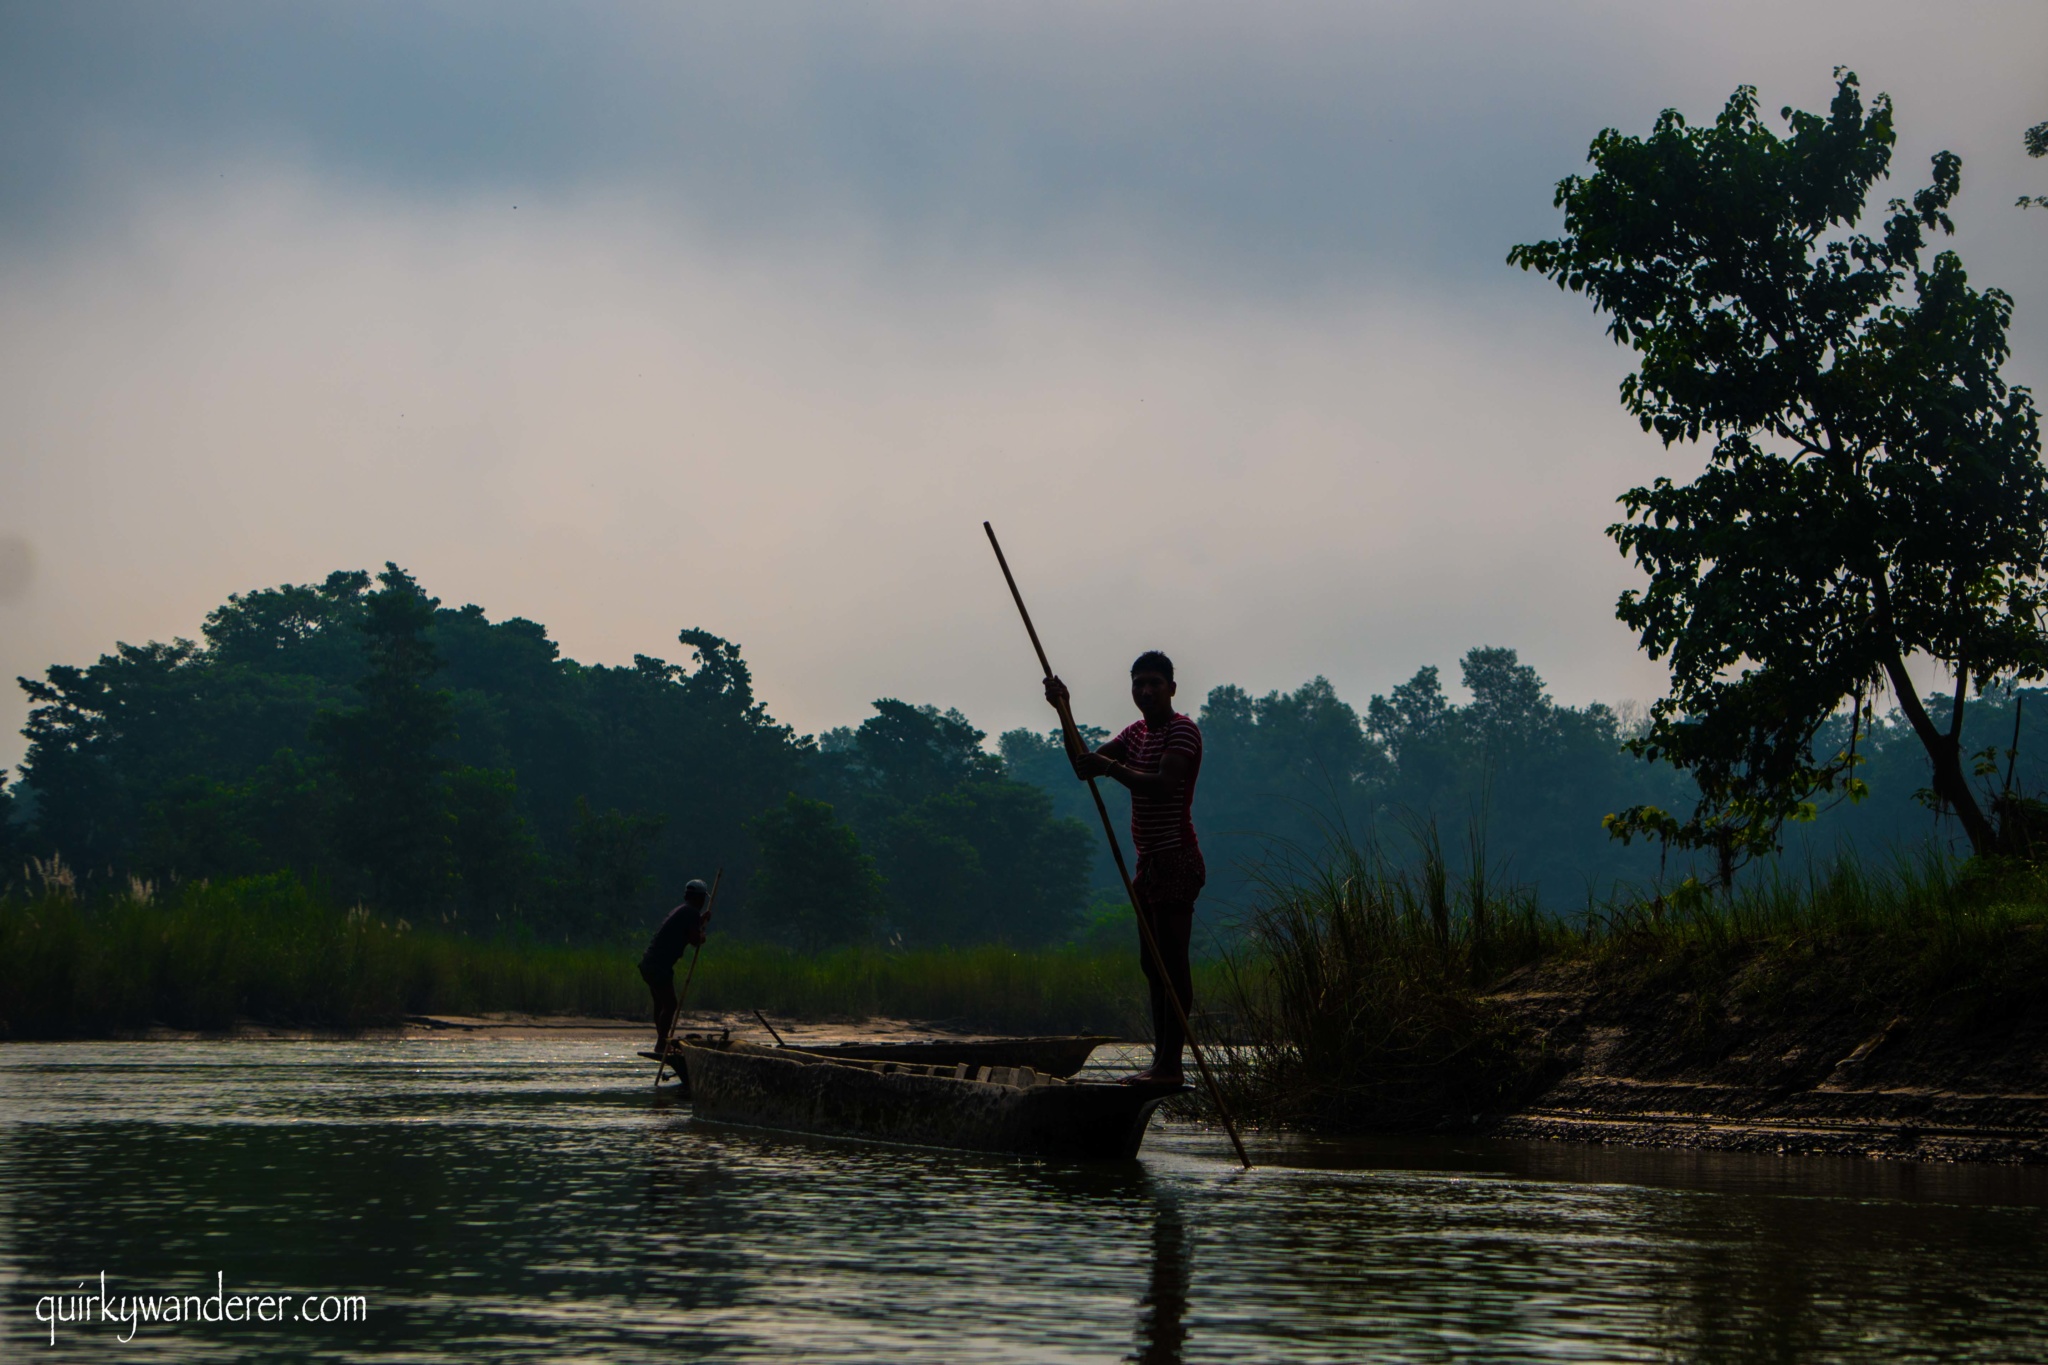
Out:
{"x": 985, "y": 862}
{"x": 1509, "y": 706}
{"x": 10, "y": 834}
{"x": 601, "y": 890}
{"x": 314, "y": 625}
{"x": 934, "y": 879}
{"x": 813, "y": 887}
{"x": 316, "y": 721}
{"x": 489, "y": 843}
{"x": 2037, "y": 145}
{"x": 690, "y": 743}
{"x": 1279, "y": 773}
{"x": 967, "y": 854}
{"x": 1874, "y": 490}
{"x": 388, "y": 754}
{"x": 903, "y": 753}
{"x": 1413, "y": 714}
{"x": 1038, "y": 759}
{"x": 1415, "y": 725}
{"x": 102, "y": 739}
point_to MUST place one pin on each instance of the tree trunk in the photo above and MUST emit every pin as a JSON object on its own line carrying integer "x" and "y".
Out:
{"x": 1945, "y": 752}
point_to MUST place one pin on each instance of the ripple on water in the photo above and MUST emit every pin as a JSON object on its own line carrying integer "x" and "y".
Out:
{"x": 533, "y": 1200}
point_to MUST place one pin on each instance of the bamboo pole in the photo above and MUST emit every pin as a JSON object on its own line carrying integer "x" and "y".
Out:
{"x": 661, "y": 1048}
{"x": 1151, "y": 943}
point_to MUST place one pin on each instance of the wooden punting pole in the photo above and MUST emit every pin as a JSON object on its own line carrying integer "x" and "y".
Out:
{"x": 1116, "y": 849}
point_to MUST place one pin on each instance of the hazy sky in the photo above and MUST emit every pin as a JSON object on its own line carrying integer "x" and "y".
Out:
{"x": 634, "y": 317}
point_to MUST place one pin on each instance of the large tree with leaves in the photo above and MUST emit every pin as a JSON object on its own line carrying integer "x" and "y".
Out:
{"x": 2037, "y": 146}
{"x": 1874, "y": 490}
{"x": 390, "y": 753}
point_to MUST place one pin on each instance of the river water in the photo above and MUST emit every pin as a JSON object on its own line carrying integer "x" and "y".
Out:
{"x": 535, "y": 1201}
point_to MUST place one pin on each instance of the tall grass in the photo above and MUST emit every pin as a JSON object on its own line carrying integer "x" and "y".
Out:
{"x": 203, "y": 957}
{"x": 1357, "y": 994}
{"x": 1379, "y": 996}
{"x": 1967, "y": 940}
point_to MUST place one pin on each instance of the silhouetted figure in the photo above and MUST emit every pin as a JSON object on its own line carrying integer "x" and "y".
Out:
{"x": 1158, "y": 758}
{"x": 683, "y": 928}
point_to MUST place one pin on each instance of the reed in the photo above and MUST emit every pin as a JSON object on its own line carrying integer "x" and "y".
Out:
{"x": 203, "y": 957}
{"x": 1356, "y": 990}
{"x": 1380, "y": 996}
{"x": 1920, "y": 934}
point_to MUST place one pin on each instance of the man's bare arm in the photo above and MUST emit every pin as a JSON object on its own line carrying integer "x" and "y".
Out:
{"x": 1169, "y": 781}
{"x": 1107, "y": 761}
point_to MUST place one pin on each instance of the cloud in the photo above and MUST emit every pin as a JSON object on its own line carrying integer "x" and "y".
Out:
{"x": 1273, "y": 147}
{"x": 587, "y": 417}
{"x": 744, "y": 317}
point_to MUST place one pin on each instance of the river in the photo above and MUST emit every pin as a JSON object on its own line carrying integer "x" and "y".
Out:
{"x": 535, "y": 1201}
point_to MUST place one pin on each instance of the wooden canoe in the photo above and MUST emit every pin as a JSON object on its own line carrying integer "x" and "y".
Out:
{"x": 981, "y": 1108}
{"x": 1060, "y": 1056}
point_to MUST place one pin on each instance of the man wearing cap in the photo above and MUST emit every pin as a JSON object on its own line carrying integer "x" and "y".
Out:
{"x": 684, "y": 927}
{"x": 1158, "y": 757}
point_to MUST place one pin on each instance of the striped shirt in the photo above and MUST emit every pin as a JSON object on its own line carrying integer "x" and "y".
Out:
{"x": 1160, "y": 821}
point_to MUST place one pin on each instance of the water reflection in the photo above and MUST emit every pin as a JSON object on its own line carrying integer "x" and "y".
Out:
{"x": 535, "y": 1203}
{"x": 1162, "y": 1312}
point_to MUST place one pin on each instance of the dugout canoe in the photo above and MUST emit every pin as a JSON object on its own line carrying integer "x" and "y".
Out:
{"x": 1060, "y": 1056}
{"x": 980, "y": 1108}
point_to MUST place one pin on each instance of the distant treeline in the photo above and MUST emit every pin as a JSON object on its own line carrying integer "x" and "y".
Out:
{"x": 436, "y": 765}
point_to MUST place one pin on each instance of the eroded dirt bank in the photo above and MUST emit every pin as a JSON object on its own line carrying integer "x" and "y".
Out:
{"x": 1813, "y": 1053}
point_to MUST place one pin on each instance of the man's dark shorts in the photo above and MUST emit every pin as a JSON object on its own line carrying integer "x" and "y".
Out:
{"x": 1171, "y": 877}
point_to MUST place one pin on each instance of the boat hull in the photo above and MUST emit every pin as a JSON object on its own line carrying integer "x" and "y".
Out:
{"x": 1056, "y": 1056}
{"x": 1057, "y": 1120}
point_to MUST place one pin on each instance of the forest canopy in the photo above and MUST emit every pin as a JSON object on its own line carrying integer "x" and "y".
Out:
{"x": 443, "y": 767}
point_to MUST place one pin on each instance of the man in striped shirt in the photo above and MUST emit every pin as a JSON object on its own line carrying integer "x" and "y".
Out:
{"x": 1158, "y": 758}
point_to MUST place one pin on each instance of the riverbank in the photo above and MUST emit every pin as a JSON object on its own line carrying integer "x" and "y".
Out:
{"x": 1788, "y": 1059}
{"x": 1846, "y": 1013}
{"x": 1896, "y": 1013}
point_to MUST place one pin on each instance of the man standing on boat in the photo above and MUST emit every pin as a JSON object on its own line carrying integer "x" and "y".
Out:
{"x": 1158, "y": 758}
{"x": 683, "y": 928}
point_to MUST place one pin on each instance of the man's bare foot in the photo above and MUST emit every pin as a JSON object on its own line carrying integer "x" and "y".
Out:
{"x": 1154, "y": 1076}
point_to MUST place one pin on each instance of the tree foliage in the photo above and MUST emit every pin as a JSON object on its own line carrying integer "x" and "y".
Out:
{"x": 389, "y": 755}
{"x": 437, "y": 764}
{"x": 423, "y": 759}
{"x": 1873, "y": 490}
{"x": 570, "y": 800}
{"x": 1284, "y": 772}
{"x": 816, "y": 888}
{"x": 2037, "y": 146}
{"x": 968, "y": 853}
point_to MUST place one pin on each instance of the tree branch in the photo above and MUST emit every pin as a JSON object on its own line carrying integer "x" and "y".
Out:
{"x": 1909, "y": 703}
